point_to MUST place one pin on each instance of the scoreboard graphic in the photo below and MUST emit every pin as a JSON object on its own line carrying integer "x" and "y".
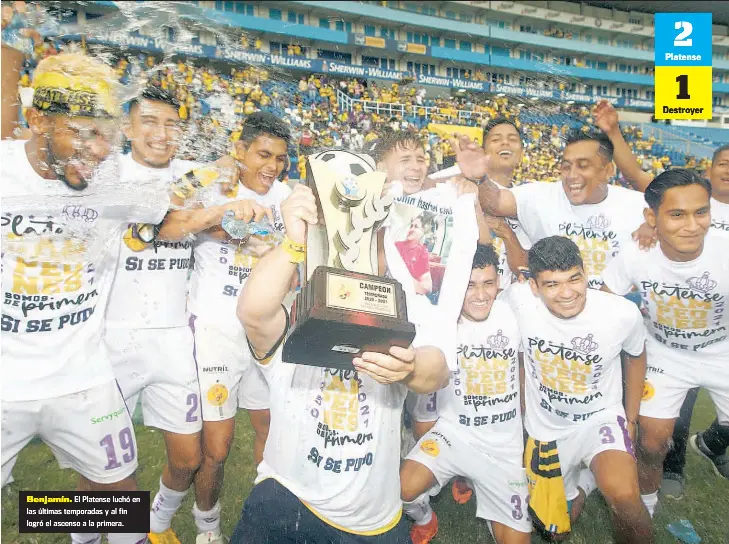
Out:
{"x": 683, "y": 76}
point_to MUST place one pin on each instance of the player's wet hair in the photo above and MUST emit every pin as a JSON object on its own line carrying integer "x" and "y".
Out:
{"x": 394, "y": 140}
{"x": 554, "y": 254}
{"x": 155, "y": 94}
{"x": 718, "y": 151}
{"x": 485, "y": 256}
{"x": 678, "y": 177}
{"x": 262, "y": 122}
{"x": 501, "y": 121}
{"x": 605, "y": 146}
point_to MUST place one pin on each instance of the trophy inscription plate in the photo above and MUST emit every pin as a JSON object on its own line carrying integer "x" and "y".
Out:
{"x": 348, "y": 293}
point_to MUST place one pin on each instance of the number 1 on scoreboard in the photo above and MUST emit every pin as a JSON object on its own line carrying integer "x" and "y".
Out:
{"x": 683, "y": 93}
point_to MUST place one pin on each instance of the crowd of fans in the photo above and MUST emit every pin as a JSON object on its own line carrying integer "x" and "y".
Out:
{"x": 215, "y": 100}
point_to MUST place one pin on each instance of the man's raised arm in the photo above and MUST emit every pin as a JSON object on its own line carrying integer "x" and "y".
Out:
{"x": 179, "y": 224}
{"x": 259, "y": 305}
{"x": 473, "y": 162}
{"x": 606, "y": 117}
{"x": 186, "y": 219}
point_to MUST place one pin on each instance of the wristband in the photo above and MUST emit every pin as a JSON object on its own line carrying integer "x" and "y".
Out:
{"x": 296, "y": 252}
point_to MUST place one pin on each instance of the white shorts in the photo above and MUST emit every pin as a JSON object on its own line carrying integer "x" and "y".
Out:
{"x": 158, "y": 365}
{"x": 666, "y": 387}
{"x": 604, "y": 431}
{"x": 229, "y": 377}
{"x": 423, "y": 407}
{"x": 90, "y": 432}
{"x": 500, "y": 484}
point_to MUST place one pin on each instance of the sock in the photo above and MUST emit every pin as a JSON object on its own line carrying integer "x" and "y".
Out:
{"x": 85, "y": 538}
{"x": 166, "y": 502}
{"x": 207, "y": 521}
{"x": 419, "y": 510}
{"x": 651, "y": 501}
{"x": 127, "y": 538}
{"x": 586, "y": 481}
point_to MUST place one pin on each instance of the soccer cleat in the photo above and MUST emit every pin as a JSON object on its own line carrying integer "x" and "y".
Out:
{"x": 720, "y": 463}
{"x": 672, "y": 486}
{"x": 422, "y": 534}
{"x": 461, "y": 491}
{"x": 211, "y": 537}
{"x": 168, "y": 537}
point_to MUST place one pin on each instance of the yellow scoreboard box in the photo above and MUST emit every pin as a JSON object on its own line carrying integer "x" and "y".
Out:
{"x": 683, "y": 77}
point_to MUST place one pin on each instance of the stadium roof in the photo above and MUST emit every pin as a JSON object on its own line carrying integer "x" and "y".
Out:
{"x": 720, "y": 10}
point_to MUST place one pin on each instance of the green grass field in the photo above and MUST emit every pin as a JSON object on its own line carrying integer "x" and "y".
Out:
{"x": 706, "y": 503}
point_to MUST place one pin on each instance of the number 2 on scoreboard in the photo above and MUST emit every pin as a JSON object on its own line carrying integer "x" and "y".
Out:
{"x": 683, "y": 40}
{"x": 683, "y": 93}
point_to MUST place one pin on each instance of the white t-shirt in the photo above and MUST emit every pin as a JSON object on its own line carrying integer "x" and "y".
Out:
{"x": 720, "y": 218}
{"x": 60, "y": 252}
{"x": 221, "y": 269}
{"x": 150, "y": 286}
{"x": 572, "y": 366}
{"x": 482, "y": 396}
{"x": 599, "y": 230}
{"x": 334, "y": 442}
{"x": 686, "y": 301}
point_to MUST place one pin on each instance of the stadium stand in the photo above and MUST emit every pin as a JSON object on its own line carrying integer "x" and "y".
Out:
{"x": 337, "y": 107}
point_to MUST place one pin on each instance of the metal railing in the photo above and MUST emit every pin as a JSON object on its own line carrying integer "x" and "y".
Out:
{"x": 346, "y": 103}
{"x": 680, "y": 143}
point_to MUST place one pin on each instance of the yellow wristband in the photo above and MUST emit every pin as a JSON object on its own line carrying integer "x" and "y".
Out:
{"x": 296, "y": 252}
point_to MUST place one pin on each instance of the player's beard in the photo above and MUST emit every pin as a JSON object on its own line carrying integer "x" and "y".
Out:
{"x": 59, "y": 167}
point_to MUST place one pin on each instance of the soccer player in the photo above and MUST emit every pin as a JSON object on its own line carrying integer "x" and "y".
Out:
{"x": 479, "y": 431}
{"x": 147, "y": 334}
{"x": 573, "y": 338}
{"x": 228, "y": 377}
{"x": 711, "y": 443}
{"x": 600, "y": 218}
{"x": 402, "y": 156}
{"x": 63, "y": 214}
{"x": 503, "y": 150}
{"x": 684, "y": 282}
{"x": 503, "y": 147}
{"x": 330, "y": 466}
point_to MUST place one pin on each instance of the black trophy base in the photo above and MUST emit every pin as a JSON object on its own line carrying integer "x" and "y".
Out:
{"x": 324, "y": 334}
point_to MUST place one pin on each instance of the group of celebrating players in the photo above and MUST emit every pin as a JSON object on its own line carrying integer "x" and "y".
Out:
{"x": 561, "y": 386}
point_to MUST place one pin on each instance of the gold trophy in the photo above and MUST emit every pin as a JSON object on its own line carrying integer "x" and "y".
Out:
{"x": 344, "y": 308}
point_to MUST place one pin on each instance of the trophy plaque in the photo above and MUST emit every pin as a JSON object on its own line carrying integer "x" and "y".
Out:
{"x": 344, "y": 308}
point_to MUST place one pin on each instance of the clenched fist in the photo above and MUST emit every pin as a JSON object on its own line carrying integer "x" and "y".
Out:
{"x": 298, "y": 211}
